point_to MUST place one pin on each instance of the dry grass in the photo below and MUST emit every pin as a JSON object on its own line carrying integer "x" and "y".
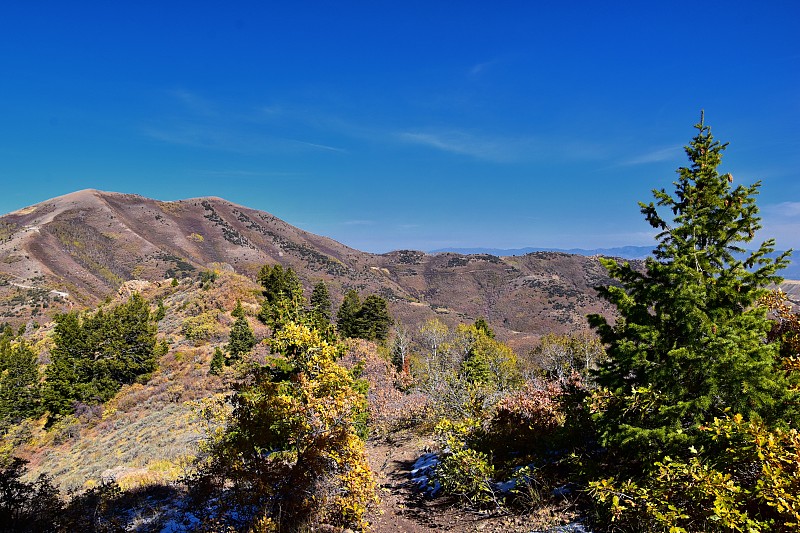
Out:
{"x": 147, "y": 434}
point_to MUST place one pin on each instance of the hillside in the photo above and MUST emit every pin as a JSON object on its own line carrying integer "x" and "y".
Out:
{"x": 194, "y": 261}
{"x": 792, "y": 271}
{"x": 77, "y": 249}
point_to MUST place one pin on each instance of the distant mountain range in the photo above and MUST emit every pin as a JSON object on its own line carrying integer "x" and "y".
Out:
{"x": 626, "y": 252}
{"x": 792, "y": 272}
{"x": 73, "y": 251}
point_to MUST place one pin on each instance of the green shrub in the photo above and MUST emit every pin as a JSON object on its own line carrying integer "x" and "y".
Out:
{"x": 202, "y": 327}
{"x": 747, "y": 479}
{"x": 291, "y": 448}
{"x": 463, "y": 471}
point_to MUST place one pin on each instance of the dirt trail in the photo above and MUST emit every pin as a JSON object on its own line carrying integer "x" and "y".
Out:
{"x": 403, "y": 508}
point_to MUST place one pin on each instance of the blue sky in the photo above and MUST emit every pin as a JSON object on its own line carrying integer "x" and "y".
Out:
{"x": 390, "y": 125}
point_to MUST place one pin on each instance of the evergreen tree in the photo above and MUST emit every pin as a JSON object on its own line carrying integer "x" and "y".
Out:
{"x": 241, "y": 339}
{"x": 348, "y": 314}
{"x": 689, "y": 340}
{"x": 238, "y": 310}
{"x": 69, "y": 364}
{"x": 373, "y": 320}
{"x": 321, "y": 304}
{"x": 95, "y": 354}
{"x": 278, "y": 283}
{"x": 20, "y": 395}
{"x": 127, "y": 342}
{"x": 161, "y": 311}
{"x": 483, "y": 326}
{"x": 487, "y": 361}
{"x": 369, "y": 320}
{"x": 283, "y": 296}
{"x": 217, "y": 362}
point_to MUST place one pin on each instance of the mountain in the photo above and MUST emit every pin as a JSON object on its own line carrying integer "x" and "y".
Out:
{"x": 85, "y": 244}
{"x": 75, "y": 250}
{"x": 791, "y": 272}
{"x": 626, "y": 252}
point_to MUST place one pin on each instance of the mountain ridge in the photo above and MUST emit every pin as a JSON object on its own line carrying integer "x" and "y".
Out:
{"x": 626, "y": 252}
{"x": 791, "y": 272}
{"x": 75, "y": 250}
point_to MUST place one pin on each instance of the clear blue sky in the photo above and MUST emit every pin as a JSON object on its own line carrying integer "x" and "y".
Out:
{"x": 391, "y": 125}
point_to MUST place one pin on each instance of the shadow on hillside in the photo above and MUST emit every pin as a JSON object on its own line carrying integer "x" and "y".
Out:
{"x": 421, "y": 504}
{"x": 106, "y": 508}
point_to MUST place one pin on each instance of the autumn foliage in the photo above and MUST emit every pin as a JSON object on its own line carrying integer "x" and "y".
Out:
{"x": 291, "y": 448}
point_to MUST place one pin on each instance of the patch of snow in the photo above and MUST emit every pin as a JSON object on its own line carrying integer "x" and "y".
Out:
{"x": 506, "y": 486}
{"x": 421, "y": 473}
{"x": 187, "y": 522}
{"x": 563, "y": 490}
{"x": 573, "y": 527}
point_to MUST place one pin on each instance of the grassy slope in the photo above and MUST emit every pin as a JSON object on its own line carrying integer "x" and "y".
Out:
{"x": 148, "y": 432}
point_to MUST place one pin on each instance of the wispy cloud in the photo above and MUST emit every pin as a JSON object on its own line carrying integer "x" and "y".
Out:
{"x": 228, "y": 138}
{"x": 783, "y": 209}
{"x": 358, "y": 222}
{"x": 457, "y": 142}
{"x": 658, "y": 155}
{"x": 501, "y": 149}
{"x": 200, "y": 123}
{"x": 194, "y": 102}
{"x": 248, "y": 174}
{"x": 781, "y": 221}
{"x": 320, "y": 146}
{"x": 278, "y": 127}
{"x": 480, "y": 68}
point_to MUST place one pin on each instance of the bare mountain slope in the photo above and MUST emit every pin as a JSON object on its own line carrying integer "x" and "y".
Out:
{"x": 76, "y": 249}
{"x": 87, "y": 243}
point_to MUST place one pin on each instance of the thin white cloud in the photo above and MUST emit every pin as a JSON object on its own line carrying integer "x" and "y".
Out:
{"x": 671, "y": 153}
{"x": 200, "y": 123}
{"x": 783, "y": 209}
{"x": 270, "y": 128}
{"x": 248, "y": 174}
{"x": 456, "y": 142}
{"x": 320, "y": 146}
{"x": 500, "y": 149}
{"x": 242, "y": 141}
{"x": 480, "y": 68}
{"x": 358, "y": 222}
{"x": 194, "y": 102}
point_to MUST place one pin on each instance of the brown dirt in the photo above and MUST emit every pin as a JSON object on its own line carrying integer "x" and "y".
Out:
{"x": 403, "y": 508}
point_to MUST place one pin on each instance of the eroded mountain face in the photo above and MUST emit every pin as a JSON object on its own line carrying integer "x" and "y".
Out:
{"x": 74, "y": 250}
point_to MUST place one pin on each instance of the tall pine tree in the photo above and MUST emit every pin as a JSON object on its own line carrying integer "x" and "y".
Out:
{"x": 688, "y": 343}
{"x": 283, "y": 295}
{"x": 241, "y": 339}
{"x": 95, "y": 354}
{"x": 373, "y": 320}
{"x": 321, "y": 304}
{"x": 20, "y": 395}
{"x": 347, "y": 316}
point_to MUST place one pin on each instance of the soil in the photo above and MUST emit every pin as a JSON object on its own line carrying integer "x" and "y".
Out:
{"x": 405, "y": 508}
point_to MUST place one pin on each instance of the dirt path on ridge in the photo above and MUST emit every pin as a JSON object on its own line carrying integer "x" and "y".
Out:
{"x": 404, "y": 509}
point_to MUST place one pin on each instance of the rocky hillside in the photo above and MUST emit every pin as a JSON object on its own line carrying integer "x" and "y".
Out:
{"x": 77, "y": 249}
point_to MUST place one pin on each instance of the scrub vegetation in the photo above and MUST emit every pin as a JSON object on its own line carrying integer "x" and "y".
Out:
{"x": 219, "y": 404}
